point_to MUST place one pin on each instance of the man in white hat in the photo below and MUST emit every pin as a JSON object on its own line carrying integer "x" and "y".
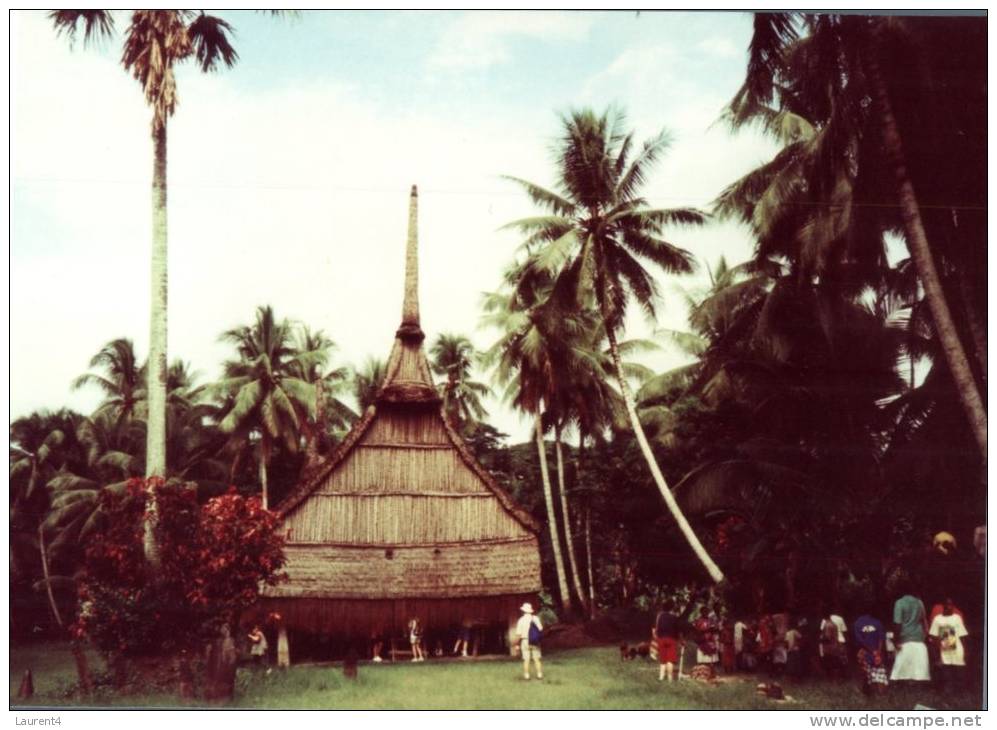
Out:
{"x": 527, "y": 649}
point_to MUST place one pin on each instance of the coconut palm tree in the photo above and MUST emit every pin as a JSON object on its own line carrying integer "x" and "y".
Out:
{"x": 597, "y": 232}
{"x": 772, "y": 349}
{"x": 529, "y": 358}
{"x": 267, "y": 397}
{"x": 35, "y": 452}
{"x": 110, "y": 455}
{"x": 453, "y": 357}
{"x": 38, "y": 449}
{"x": 155, "y": 42}
{"x": 367, "y": 382}
{"x": 122, "y": 379}
{"x": 722, "y": 318}
{"x": 332, "y": 416}
{"x": 841, "y": 77}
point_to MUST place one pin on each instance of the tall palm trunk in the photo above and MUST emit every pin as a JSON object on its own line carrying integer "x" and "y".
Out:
{"x": 312, "y": 455}
{"x": 977, "y": 327}
{"x": 566, "y": 516}
{"x": 555, "y": 541}
{"x": 48, "y": 582}
{"x": 79, "y": 656}
{"x": 264, "y": 458}
{"x": 697, "y": 547}
{"x": 82, "y": 667}
{"x": 587, "y": 529}
{"x": 449, "y": 406}
{"x": 263, "y": 484}
{"x": 920, "y": 251}
{"x": 155, "y": 447}
{"x": 588, "y": 560}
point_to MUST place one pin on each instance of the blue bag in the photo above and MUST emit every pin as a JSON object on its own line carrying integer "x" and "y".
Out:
{"x": 536, "y": 634}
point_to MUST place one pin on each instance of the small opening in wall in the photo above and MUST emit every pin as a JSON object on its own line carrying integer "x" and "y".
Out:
{"x": 389, "y": 554}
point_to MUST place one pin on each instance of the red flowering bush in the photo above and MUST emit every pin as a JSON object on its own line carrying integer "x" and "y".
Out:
{"x": 213, "y": 559}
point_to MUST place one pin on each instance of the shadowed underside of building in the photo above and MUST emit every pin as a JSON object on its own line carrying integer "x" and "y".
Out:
{"x": 401, "y": 521}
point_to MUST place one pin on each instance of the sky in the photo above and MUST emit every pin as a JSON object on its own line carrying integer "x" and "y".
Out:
{"x": 289, "y": 174}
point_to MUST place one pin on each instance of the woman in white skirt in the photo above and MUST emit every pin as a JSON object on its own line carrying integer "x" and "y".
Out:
{"x": 910, "y": 630}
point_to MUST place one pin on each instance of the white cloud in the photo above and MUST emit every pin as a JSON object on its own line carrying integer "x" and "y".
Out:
{"x": 478, "y": 40}
{"x": 720, "y": 47}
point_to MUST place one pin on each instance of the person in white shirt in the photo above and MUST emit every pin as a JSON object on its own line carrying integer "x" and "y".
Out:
{"x": 832, "y": 649}
{"x": 527, "y": 650}
{"x": 739, "y": 628}
{"x": 948, "y": 630}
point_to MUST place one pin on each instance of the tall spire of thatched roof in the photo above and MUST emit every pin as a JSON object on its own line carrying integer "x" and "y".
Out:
{"x": 410, "y": 328}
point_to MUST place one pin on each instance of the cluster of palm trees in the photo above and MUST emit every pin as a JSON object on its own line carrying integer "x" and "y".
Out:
{"x": 835, "y": 370}
{"x": 280, "y": 403}
{"x": 564, "y": 301}
{"x": 853, "y": 370}
{"x": 880, "y": 117}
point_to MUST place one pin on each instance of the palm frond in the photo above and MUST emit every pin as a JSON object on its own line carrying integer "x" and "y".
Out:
{"x": 740, "y": 198}
{"x": 636, "y": 173}
{"x": 773, "y": 33}
{"x": 247, "y": 399}
{"x": 662, "y": 385}
{"x": 543, "y": 197}
{"x": 97, "y": 24}
{"x": 659, "y": 217}
{"x": 688, "y": 343}
{"x": 210, "y": 38}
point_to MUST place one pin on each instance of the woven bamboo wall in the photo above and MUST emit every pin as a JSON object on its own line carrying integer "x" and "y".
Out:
{"x": 460, "y": 570}
{"x": 402, "y": 469}
{"x": 405, "y": 519}
{"x": 363, "y": 618}
{"x": 394, "y": 425}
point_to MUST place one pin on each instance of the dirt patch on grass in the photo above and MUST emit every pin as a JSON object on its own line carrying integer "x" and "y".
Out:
{"x": 611, "y": 628}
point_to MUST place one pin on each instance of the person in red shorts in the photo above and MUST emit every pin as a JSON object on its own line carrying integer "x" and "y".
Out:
{"x": 666, "y": 633}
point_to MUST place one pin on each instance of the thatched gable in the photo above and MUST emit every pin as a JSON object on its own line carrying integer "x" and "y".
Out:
{"x": 401, "y": 515}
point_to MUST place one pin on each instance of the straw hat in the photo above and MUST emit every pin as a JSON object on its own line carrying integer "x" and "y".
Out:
{"x": 526, "y": 608}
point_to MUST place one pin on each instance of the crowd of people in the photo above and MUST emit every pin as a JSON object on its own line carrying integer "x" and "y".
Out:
{"x": 912, "y": 645}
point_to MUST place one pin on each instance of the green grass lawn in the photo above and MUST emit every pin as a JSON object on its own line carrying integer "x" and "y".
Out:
{"x": 590, "y": 678}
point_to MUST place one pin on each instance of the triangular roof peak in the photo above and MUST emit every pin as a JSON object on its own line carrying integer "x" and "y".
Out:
{"x": 410, "y": 404}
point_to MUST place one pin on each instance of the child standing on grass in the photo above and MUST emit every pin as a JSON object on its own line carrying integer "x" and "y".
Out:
{"x": 794, "y": 652}
{"x": 415, "y": 639}
{"x": 832, "y": 645}
{"x": 749, "y": 653}
{"x": 728, "y": 655}
{"x": 870, "y": 638}
{"x": 258, "y": 645}
{"x": 463, "y": 638}
{"x": 740, "y": 630}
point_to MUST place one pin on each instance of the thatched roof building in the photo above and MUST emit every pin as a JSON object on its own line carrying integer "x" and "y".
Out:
{"x": 401, "y": 520}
